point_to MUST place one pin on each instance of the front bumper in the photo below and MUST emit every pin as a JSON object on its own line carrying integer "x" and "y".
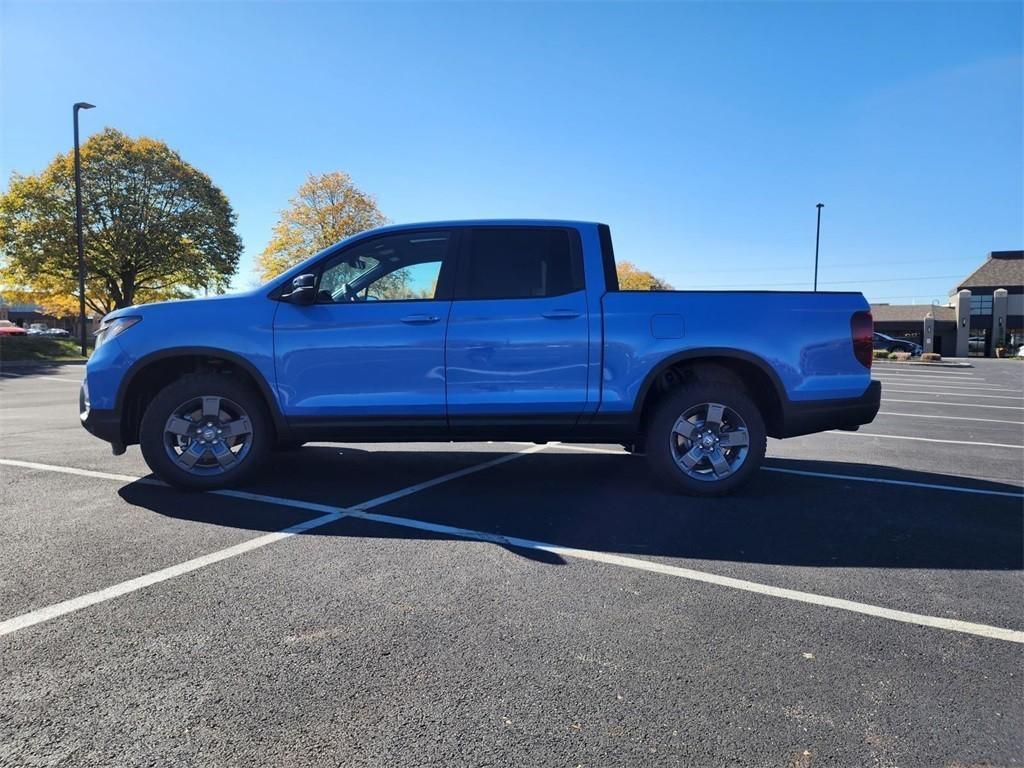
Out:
{"x": 102, "y": 423}
{"x": 804, "y": 418}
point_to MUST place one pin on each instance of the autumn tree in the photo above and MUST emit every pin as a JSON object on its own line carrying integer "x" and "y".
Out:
{"x": 327, "y": 208}
{"x": 155, "y": 228}
{"x": 633, "y": 279}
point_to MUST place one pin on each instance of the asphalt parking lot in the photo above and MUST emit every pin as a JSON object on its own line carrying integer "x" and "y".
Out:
{"x": 860, "y": 603}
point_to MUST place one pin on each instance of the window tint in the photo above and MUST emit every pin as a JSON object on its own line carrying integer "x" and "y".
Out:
{"x": 402, "y": 267}
{"x": 519, "y": 263}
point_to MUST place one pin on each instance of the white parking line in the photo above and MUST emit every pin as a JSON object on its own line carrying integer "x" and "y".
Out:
{"x": 979, "y": 388}
{"x": 923, "y": 369}
{"x": 37, "y": 390}
{"x": 590, "y": 449}
{"x": 968, "y": 377}
{"x": 876, "y": 374}
{"x": 927, "y": 377}
{"x": 889, "y": 481}
{"x": 956, "y": 405}
{"x": 445, "y": 478}
{"x": 943, "y": 416}
{"x": 65, "y": 379}
{"x": 71, "y": 470}
{"x": 924, "y": 439}
{"x": 953, "y": 625}
{"x": 308, "y": 505}
{"x": 950, "y": 394}
{"x": 117, "y": 590}
{"x": 75, "y": 604}
{"x": 917, "y": 370}
{"x": 829, "y": 475}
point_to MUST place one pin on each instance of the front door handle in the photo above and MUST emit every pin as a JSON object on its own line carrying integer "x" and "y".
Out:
{"x": 561, "y": 314}
{"x": 420, "y": 319}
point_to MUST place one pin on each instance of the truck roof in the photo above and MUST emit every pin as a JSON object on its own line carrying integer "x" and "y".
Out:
{"x": 487, "y": 223}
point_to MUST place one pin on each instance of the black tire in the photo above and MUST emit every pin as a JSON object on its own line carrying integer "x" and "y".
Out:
{"x": 154, "y": 438}
{"x": 661, "y": 456}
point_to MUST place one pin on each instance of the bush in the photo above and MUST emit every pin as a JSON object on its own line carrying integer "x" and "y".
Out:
{"x": 902, "y": 356}
{"x": 931, "y": 357}
{"x": 14, "y": 348}
{"x": 892, "y": 356}
{"x": 880, "y": 354}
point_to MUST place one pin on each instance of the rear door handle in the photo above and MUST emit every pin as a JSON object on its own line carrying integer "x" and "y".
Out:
{"x": 420, "y": 319}
{"x": 561, "y": 314}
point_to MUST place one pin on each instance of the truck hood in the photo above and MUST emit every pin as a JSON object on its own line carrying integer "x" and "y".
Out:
{"x": 179, "y": 305}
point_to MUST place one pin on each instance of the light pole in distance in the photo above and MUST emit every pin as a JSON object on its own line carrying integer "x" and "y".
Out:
{"x": 78, "y": 227}
{"x": 817, "y": 241}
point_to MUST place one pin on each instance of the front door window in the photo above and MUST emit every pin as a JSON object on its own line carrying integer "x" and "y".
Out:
{"x": 403, "y": 267}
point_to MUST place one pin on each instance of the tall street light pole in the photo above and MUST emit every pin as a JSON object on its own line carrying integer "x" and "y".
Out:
{"x": 817, "y": 241}
{"x": 78, "y": 228}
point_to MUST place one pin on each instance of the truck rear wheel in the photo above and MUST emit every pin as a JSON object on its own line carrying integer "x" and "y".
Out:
{"x": 706, "y": 439}
{"x": 205, "y": 432}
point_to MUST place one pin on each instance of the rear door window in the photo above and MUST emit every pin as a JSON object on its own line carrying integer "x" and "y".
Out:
{"x": 519, "y": 263}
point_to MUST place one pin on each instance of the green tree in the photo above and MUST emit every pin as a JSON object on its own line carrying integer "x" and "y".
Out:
{"x": 155, "y": 228}
{"x": 633, "y": 279}
{"x": 327, "y": 208}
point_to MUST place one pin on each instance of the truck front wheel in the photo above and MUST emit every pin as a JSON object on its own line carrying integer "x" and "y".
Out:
{"x": 204, "y": 432}
{"x": 706, "y": 439}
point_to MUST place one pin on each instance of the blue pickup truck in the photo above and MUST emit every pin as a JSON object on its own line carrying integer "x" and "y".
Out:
{"x": 477, "y": 330}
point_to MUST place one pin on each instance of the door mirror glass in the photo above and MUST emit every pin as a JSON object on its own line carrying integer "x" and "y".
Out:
{"x": 303, "y": 290}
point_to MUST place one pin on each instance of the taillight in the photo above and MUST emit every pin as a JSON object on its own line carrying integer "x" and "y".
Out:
{"x": 862, "y": 329}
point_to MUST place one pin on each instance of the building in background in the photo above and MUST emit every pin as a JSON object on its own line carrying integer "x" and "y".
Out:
{"x": 985, "y": 310}
{"x": 25, "y": 315}
{"x": 996, "y": 303}
{"x": 906, "y": 321}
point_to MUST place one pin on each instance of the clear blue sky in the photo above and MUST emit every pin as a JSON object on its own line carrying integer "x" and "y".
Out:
{"x": 703, "y": 133}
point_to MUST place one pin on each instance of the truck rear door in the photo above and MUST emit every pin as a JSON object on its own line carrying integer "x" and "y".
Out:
{"x": 517, "y": 344}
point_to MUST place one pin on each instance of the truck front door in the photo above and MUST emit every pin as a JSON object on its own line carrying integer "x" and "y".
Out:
{"x": 370, "y": 352}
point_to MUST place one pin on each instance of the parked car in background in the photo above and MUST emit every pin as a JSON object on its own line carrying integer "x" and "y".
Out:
{"x": 42, "y": 329}
{"x": 474, "y": 331}
{"x": 7, "y": 328}
{"x": 890, "y": 344}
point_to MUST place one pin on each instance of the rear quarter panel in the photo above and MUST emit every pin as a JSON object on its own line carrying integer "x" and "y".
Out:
{"x": 803, "y": 337}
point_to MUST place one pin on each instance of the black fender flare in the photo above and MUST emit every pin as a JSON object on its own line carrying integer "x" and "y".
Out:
{"x": 709, "y": 352}
{"x": 280, "y": 423}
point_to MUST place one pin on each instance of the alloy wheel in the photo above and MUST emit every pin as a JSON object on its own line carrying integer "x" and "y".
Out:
{"x": 709, "y": 442}
{"x": 208, "y": 435}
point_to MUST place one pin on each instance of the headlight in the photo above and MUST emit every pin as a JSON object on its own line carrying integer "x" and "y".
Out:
{"x": 111, "y": 328}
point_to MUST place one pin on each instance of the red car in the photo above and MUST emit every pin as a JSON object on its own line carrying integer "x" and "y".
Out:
{"x": 7, "y": 328}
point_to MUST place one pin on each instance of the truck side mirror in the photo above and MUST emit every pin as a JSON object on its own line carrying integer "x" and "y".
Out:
{"x": 303, "y": 290}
